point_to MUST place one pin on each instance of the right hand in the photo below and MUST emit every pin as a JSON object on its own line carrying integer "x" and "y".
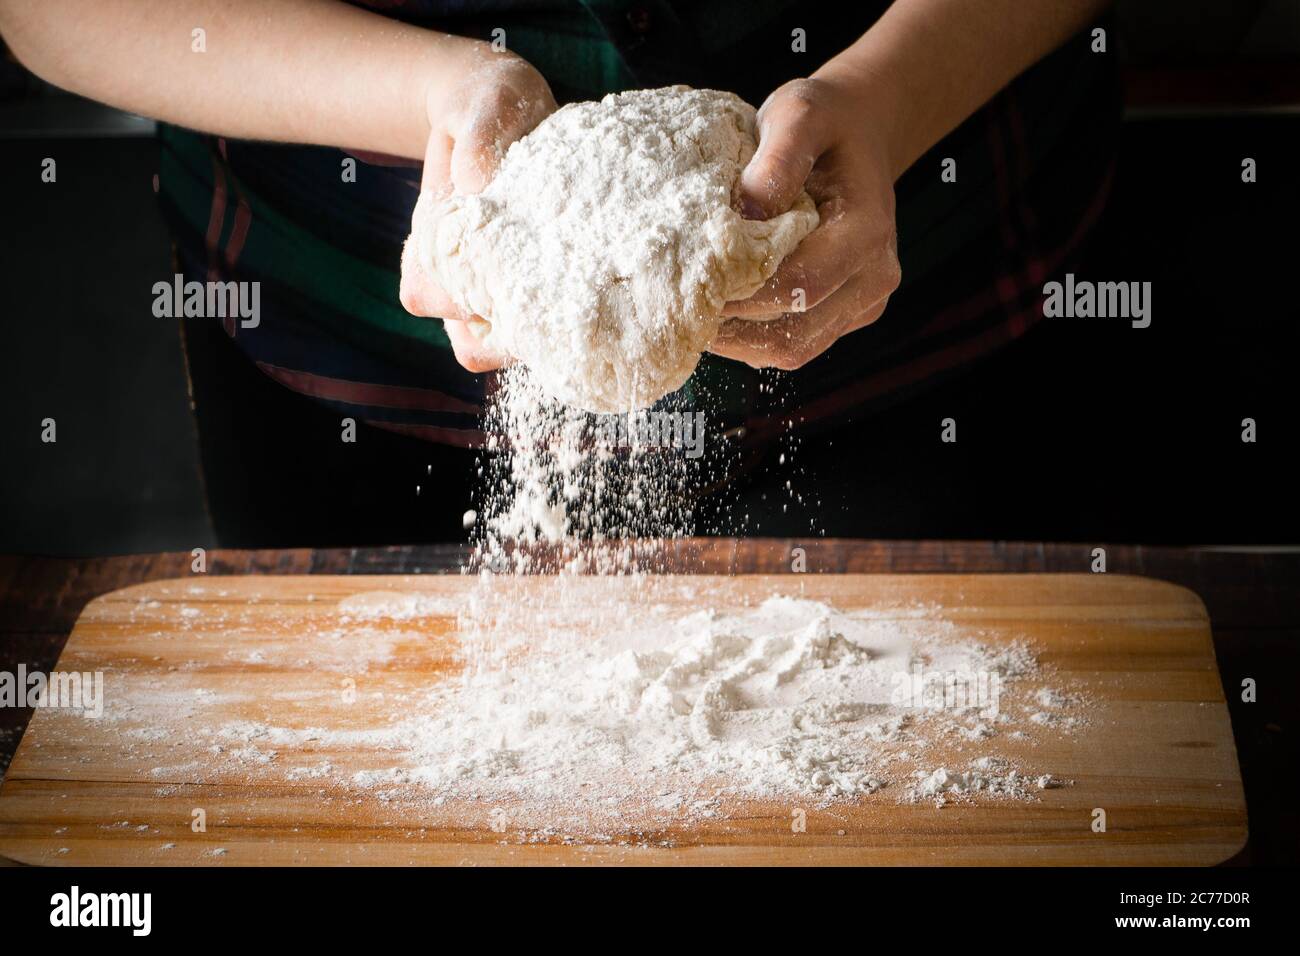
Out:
{"x": 471, "y": 125}
{"x": 818, "y": 134}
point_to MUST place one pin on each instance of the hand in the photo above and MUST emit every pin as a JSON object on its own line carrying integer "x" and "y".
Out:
{"x": 471, "y": 125}
{"x": 817, "y": 134}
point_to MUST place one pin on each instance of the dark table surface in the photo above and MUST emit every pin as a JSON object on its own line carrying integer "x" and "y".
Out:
{"x": 1253, "y": 597}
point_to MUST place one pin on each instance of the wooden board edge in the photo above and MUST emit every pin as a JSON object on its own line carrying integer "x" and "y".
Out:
{"x": 1183, "y": 856}
{"x": 1185, "y": 596}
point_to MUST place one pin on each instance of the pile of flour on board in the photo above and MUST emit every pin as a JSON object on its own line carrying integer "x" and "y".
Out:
{"x": 661, "y": 717}
{"x": 603, "y": 250}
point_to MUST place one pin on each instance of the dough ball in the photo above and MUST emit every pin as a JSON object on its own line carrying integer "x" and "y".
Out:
{"x": 602, "y": 252}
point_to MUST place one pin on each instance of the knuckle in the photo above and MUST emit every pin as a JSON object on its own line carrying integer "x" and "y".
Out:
{"x": 467, "y": 357}
{"x": 892, "y": 269}
{"x": 493, "y": 110}
{"x": 864, "y": 296}
{"x": 408, "y": 297}
{"x": 781, "y": 163}
{"x": 893, "y": 276}
{"x": 869, "y": 315}
{"x": 833, "y": 208}
{"x": 805, "y": 105}
{"x": 469, "y": 353}
{"x": 802, "y": 94}
{"x": 796, "y": 102}
{"x": 876, "y": 311}
{"x": 797, "y": 109}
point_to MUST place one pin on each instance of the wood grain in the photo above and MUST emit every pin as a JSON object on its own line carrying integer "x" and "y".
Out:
{"x": 1157, "y": 754}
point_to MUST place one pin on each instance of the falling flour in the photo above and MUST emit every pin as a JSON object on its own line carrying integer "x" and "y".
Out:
{"x": 555, "y": 495}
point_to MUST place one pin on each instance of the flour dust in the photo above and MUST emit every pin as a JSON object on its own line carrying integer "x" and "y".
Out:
{"x": 592, "y": 719}
{"x": 564, "y": 490}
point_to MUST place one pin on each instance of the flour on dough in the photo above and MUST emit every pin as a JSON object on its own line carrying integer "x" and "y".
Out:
{"x": 604, "y": 249}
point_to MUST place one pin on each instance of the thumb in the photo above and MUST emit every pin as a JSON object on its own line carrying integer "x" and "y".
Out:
{"x": 791, "y": 138}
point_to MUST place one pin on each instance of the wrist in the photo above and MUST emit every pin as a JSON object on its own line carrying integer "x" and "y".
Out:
{"x": 880, "y": 99}
{"x": 873, "y": 105}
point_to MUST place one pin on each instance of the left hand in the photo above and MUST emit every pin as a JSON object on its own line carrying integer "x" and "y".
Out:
{"x": 817, "y": 134}
{"x": 500, "y": 98}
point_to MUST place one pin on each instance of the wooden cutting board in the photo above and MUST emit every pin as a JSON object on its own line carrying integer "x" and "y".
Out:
{"x": 1157, "y": 754}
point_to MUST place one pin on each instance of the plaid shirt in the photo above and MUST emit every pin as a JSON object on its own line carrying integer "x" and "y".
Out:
{"x": 1034, "y": 169}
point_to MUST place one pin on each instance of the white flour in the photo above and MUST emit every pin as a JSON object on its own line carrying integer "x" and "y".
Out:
{"x": 603, "y": 250}
{"x": 549, "y": 479}
{"x": 658, "y": 717}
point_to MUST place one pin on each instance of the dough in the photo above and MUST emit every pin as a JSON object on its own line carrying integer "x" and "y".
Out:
{"x": 603, "y": 250}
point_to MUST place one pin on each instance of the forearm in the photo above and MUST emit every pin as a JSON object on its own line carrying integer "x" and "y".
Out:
{"x": 309, "y": 71}
{"x": 926, "y": 65}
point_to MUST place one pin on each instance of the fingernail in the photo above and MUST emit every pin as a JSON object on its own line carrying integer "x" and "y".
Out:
{"x": 750, "y": 209}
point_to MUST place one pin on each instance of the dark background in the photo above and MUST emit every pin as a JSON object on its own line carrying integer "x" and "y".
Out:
{"x": 1081, "y": 431}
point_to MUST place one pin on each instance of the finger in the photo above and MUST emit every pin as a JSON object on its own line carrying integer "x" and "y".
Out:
{"x": 765, "y": 317}
{"x": 436, "y": 177}
{"x": 419, "y": 293}
{"x": 845, "y": 245}
{"x": 866, "y": 318}
{"x": 469, "y": 348}
{"x": 796, "y": 339}
{"x": 859, "y": 302}
{"x": 785, "y": 343}
{"x": 786, "y": 348}
{"x": 793, "y": 133}
{"x": 422, "y": 296}
{"x": 825, "y": 259}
